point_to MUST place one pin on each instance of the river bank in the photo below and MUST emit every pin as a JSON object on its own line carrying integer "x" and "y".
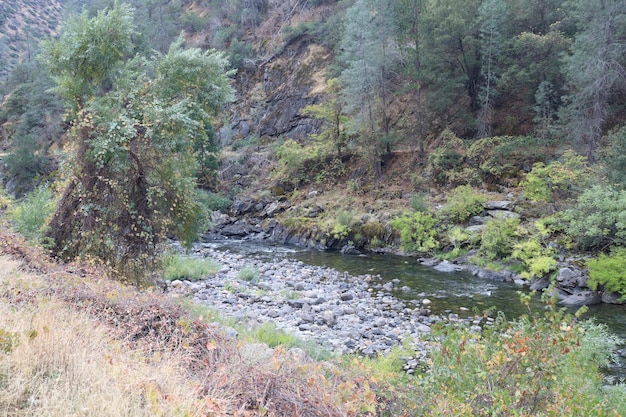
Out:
{"x": 280, "y": 222}
{"x": 337, "y": 310}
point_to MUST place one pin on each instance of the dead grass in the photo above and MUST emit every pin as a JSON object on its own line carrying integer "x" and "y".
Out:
{"x": 78, "y": 344}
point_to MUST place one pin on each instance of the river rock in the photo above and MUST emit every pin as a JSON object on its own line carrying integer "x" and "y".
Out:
{"x": 613, "y": 298}
{"x": 540, "y": 284}
{"x": 499, "y": 205}
{"x": 570, "y": 278}
{"x": 446, "y": 266}
{"x": 583, "y": 298}
{"x": 503, "y": 214}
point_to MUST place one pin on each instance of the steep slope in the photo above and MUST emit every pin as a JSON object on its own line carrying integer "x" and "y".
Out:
{"x": 22, "y": 24}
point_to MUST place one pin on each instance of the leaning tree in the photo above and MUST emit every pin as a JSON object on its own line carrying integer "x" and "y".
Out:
{"x": 139, "y": 126}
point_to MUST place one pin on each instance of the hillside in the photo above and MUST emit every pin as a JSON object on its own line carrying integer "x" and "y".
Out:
{"x": 23, "y": 23}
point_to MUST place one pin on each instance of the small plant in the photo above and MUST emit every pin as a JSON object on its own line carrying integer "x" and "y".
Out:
{"x": 537, "y": 259}
{"x": 248, "y": 273}
{"x": 463, "y": 203}
{"x": 177, "y": 266}
{"x": 609, "y": 271}
{"x": 499, "y": 238}
{"x": 417, "y": 232}
{"x": 418, "y": 202}
{"x": 29, "y": 216}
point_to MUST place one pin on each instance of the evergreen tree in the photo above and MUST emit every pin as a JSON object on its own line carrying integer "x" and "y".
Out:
{"x": 595, "y": 69}
{"x": 369, "y": 52}
{"x": 492, "y": 16}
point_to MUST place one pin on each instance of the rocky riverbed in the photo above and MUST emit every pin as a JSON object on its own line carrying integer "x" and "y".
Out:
{"x": 340, "y": 311}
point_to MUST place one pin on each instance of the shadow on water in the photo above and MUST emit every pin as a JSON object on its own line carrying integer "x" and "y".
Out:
{"x": 459, "y": 292}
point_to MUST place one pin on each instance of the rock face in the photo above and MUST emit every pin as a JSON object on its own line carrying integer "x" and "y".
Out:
{"x": 270, "y": 96}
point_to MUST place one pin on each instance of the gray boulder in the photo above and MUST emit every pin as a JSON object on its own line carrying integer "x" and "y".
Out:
{"x": 499, "y": 205}
{"x": 583, "y": 298}
{"x": 613, "y": 298}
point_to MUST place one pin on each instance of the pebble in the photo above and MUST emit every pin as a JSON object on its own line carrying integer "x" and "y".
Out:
{"x": 337, "y": 310}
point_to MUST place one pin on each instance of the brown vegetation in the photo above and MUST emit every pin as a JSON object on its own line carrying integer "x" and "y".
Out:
{"x": 73, "y": 342}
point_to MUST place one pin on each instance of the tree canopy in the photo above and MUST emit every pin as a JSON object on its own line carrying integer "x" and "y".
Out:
{"x": 141, "y": 127}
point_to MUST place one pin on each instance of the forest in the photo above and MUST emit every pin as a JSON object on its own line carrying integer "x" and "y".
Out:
{"x": 489, "y": 133}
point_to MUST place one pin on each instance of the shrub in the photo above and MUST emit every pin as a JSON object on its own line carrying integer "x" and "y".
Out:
{"x": 447, "y": 158}
{"x": 212, "y": 201}
{"x": 608, "y": 271}
{"x": 29, "y": 217}
{"x": 545, "y": 364}
{"x": 463, "y": 203}
{"x": 499, "y": 238}
{"x": 177, "y": 266}
{"x": 614, "y": 157}
{"x": 538, "y": 260}
{"x": 558, "y": 179}
{"x": 418, "y": 202}
{"x": 598, "y": 219}
{"x": 248, "y": 273}
{"x": 417, "y": 232}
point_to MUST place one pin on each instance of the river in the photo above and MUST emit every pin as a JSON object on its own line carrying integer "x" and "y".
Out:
{"x": 460, "y": 293}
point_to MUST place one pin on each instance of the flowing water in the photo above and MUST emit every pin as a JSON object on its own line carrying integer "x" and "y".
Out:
{"x": 460, "y": 293}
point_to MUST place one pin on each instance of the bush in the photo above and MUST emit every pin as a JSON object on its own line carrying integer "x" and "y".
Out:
{"x": 499, "y": 238}
{"x": 539, "y": 365}
{"x": 598, "y": 219}
{"x": 609, "y": 271}
{"x": 248, "y": 273}
{"x": 614, "y": 157}
{"x": 463, "y": 203}
{"x": 418, "y": 202}
{"x": 212, "y": 201}
{"x": 29, "y": 217}
{"x": 557, "y": 180}
{"x": 538, "y": 260}
{"x": 417, "y": 232}
{"x": 447, "y": 158}
{"x": 177, "y": 266}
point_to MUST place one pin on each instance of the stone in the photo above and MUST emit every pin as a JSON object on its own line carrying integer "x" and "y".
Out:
{"x": 613, "y": 298}
{"x": 540, "y": 284}
{"x": 476, "y": 221}
{"x": 499, "y": 205}
{"x": 503, "y": 214}
{"x": 446, "y": 266}
{"x": 328, "y": 317}
{"x": 583, "y": 298}
{"x": 350, "y": 250}
{"x": 570, "y": 278}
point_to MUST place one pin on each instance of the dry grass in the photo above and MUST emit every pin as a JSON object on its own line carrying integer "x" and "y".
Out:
{"x": 73, "y": 344}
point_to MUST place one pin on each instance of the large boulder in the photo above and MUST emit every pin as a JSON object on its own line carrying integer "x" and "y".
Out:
{"x": 583, "y": 298}
{"x": 570, "y": 278}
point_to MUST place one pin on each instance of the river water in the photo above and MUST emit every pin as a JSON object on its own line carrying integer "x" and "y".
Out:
{"x": 460, "y": 293}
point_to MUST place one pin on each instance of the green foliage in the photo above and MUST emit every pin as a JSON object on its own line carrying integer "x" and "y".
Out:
{"x": 417, "y": 232}
{"x": 499, "y": 238}
{"x": 248, "y": 273}
{"x": 447, "y": 158}
{"x": 614, "y": 157}
{"x": 211, "y": 201}
{"x": 598, "y": 219}
{"x": 609, "y": 271}
{"x": 500, "y": 158}
{"x": 291, "y": 156}
{"x": 142, "y": 132}
{"x": 463, "y": 203}
{"x": 8, "y": 341}
{"x": 535, "y": 252}
{"x": 177, "y": 266}
{"x": 418, "y": 202}
{"x": 89, "y": 51}
{"x": 331, "y": 113}
{"x": 537, "y": 259}
{"x": 29, "y": 217}
{"x": 537, "y": 365}
{"x": 558, "y": 179}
